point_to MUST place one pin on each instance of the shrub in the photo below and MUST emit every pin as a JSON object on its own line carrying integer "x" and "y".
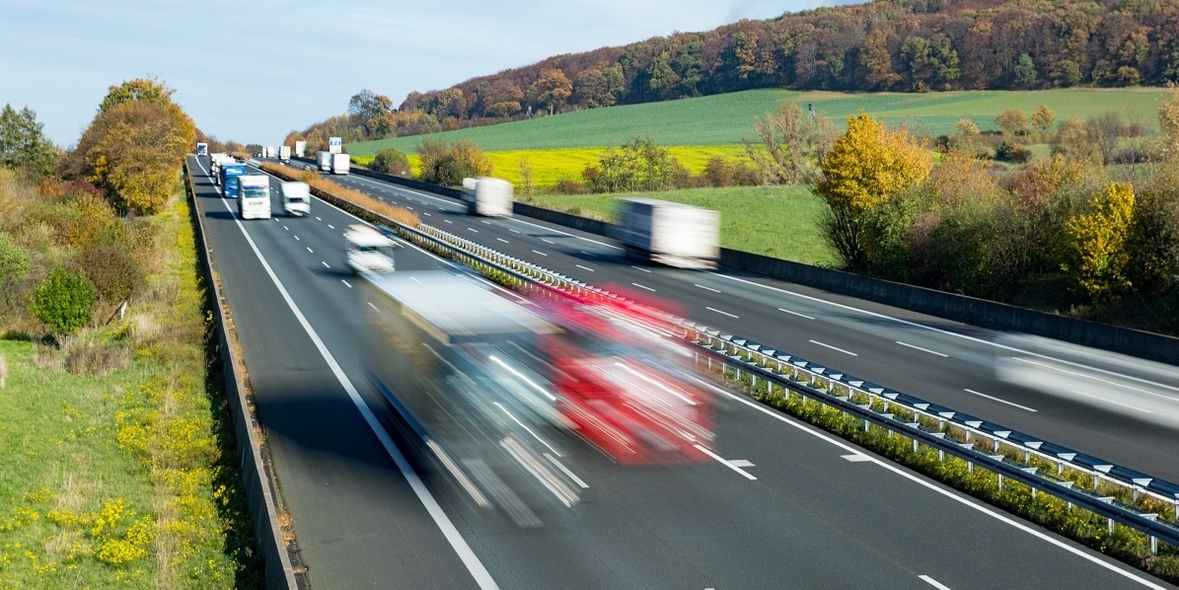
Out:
{"x": 718, "y": 172}
{"x": 1013, "y": 152}
{"x": 448, "y": 165}
{"x": 568, "y": 186}
{"x": 113, "y": 270}
{"x": 390, "y": 161}
{"x": 64, "y": 302}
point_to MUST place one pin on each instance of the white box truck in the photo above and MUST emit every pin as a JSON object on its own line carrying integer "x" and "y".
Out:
{"x": 253, "y": 196}
{"x": 488, "y": 196}
{"x": 368, "y": 250}
{"x": 669, "y": 233}
{"x": 341, "y": 163}
{"x": 325, "y": 161}
{"x": 284, "y": 153}
{"x": 300, "y": 148}
{"x": 296, "y": 198}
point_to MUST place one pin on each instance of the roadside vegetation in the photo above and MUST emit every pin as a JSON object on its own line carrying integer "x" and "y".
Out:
{"x": 120, "y": 468}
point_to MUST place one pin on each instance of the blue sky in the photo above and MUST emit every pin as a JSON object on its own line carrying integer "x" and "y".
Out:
{"x": 254, "y": 70}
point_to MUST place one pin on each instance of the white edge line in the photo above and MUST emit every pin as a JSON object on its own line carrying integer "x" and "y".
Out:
{"x": 468, "y": 557}
{"x": 951, "y": 494}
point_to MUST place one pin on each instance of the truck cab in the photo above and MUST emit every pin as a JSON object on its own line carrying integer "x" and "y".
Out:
{"x": 368, "y": 250}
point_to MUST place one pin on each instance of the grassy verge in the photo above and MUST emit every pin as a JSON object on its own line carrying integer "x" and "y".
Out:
{"x": 777, "y": 221}
{"x": 118, "y": 471}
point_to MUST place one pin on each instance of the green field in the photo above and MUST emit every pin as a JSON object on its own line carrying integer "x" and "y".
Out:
{"x": 726, "y": 118}
{"x": 776, "y": 221}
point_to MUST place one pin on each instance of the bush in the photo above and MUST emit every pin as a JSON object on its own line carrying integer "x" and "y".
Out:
{"x": 64, "y": 302}
{"x": 390, "y": 161}
{"x": 568, "y": 186}
{"x": 448, "y": 165}
{"x": 718, "y": 172}
{"x": 114, "y": 272}
{"x": 1013, "y": 152}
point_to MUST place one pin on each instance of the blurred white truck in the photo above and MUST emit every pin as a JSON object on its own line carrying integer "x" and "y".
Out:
{"x": 669, "y": 233}
{"x": 341, "y": 163}
{"x": 487, "y": 196}
{"x": 325, "y": 161}
{"x": 284, "y": 153}
{"x": 296, "y": 198}
{"x": 368, "y": 250}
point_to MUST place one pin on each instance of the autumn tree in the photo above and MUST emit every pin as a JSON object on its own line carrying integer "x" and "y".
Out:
{"x": 502, "y": 98}
{"x": 390, "y": 161}
{"x": 22, "y": 144}
{"x": 638, "y": 165}
{"x": 877, "y": 61}
{"x": 1043, "y": 118}
{"x": 1012, "y": 122}
{"x": 552, "y": 89}
{"x": 367, "y": 104}
{"x": 1097, "y": 244}
{"x": 1169, "y": 124}
{"x": 791, "y": 144}
{"x": 864, "y": 167}
{"x": 448, "y": 164}
{"x": 149, "y": 89}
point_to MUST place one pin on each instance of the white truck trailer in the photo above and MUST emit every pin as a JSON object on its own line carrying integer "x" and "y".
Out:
{"x": 341, "y": 163}
{"x": 669, "y": 233}
{"x": 368, "y": 250}
{"x": 284, "y": 153}
{"x": 253, "y": 196}
{"x": 296, "y": 198}
{"x": 325, "y": 161}
{"x": 487, "y": 196}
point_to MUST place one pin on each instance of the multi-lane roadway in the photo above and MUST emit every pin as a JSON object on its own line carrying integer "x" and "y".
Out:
{"x": 781, "y": 506}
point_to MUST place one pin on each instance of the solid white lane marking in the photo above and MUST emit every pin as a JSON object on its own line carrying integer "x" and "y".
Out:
{"x": 539, "y": 252}
{"x": 503, "y": 240}
{"x": 857, "y": 458}
{"x": 722, "y": 461}
{"x": 449, "y": 531}
{"x": 325, "y": 264}
{"x": 952, "y": 495}
{"x": 1092, "y": 378}
{"x": 801, "y": 315}
{"x": 833, "y": 347}
{"x": 584, "y": 267}
{"x": 643, "y": 287}
{"x": 1002, "y": 401}
{"x": 719, "y": 311}
{"x": 922, "y": 349}
{"x": 346, "y": 283}
{"x": 646, "y": 270}
{"x": 933, "y": 582}
{"x": 706, "y": 288}
{"x": 1110, "y": 401}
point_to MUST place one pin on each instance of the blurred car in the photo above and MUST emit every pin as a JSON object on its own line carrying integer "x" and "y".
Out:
{"x": 308, "y": 167}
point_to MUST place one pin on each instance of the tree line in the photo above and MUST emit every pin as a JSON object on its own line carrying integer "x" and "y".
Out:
{"x": 887, "y": 45}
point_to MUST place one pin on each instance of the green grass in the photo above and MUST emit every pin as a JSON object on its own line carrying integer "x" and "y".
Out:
{"x": 781, "y": 222}
{"x": 727, "y": 118}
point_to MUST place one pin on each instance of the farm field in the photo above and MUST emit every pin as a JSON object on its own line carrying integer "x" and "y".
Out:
{"x": 777, "y": 221}
{"x": 726, "y": 119}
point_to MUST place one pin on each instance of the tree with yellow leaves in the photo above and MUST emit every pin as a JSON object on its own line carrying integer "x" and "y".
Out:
{"x": 1097, "y": 243}
{"x": 864, "y": 168}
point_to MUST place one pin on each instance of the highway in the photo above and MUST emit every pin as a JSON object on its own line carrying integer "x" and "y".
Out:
{"x": 782, "y": 506}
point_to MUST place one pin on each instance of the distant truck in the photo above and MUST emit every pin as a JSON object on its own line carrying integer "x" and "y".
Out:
{"x": 253, "y": 196}
{"x": 491, "y": 197}
{"x": 300, "y": 148}
{"x": 325, "y": 161}
{"x": 368, "y": 250}
{"x": 268, "y": 152}
{"x": 284, "y": 153}
{"x": 669, "y": 233}
{"x": 230, "y": 172}
{"x": 202, "y": 149}
{"x": 296, "y": 199}
{"x": 341, "y": 163}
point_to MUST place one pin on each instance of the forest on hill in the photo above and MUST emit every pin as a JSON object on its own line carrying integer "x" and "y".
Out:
{"x": 886, "y": 45}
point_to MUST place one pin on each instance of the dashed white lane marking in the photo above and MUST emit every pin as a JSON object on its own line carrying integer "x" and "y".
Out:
{"x": 833, "y": 347}
{"x": 728, "y": 464}
{"x": 1002, "y": 401}
{"x": 643, "y": 287}
{"x": 648, "y": 271}
{"x": 286, "y": 228}
{"x": 1110, "y": 401}
{"x": 706, "y": 288}
{"x": 447, "y": 221}
{"x": 933, "y": 582}
{"x": 330, "y": 226}
{"x": 317, "y": 218}
{"x": 539, "y": 252}
{"x": 801, "y": 315}
{"x": 721, "y": 312}
{"x": 325, "y": 264}
{"x": 503, "y": 240}
{"x": 550, "y": 242}
{"x": 513, "y": 231}
{"x": 427, "y": 214}
{"x": 346, "y": 283}
{"x": 310, "y": 250}
{"x": 297, "y": 238}
{"x": 473, "y": 229}
{"x": 943, "y": 355}
{"x": 370, "y": 304}
{"x": 485, "y": 221}
{"x": 582, "y": 266}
